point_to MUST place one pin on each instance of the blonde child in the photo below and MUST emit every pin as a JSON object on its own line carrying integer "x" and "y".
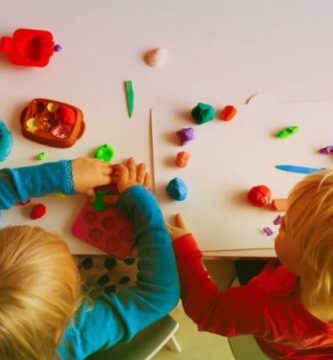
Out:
{"x": 288, "y": 307}
{"x": 42, "y": 313}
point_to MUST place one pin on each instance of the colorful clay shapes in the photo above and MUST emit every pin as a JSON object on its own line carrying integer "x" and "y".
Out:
{"x": 182, "y": 159}
{"x": 286, "y": 132}
{"x": 130, "y": 97}
{"x": 38, "y": 211}
{"x": 105, "y": 153}
{"x": 203, "y": 113}
{"x": 52, "y": 123}
{"x": 177, "y": 189}
{"x": 185, "y": 135}
{"x": 326, "y": 150}
{"x": 156, "y": 57}
{"x": 228, "y": 113}
{"x": 259, "y": 196}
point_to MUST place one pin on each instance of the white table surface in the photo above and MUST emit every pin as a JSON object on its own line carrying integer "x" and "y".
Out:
{"x": 219, "y": 52}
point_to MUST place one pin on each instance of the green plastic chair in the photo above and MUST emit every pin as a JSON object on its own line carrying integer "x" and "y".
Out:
{"x": 146, "y": 344}
{"x": 245, "y": 347}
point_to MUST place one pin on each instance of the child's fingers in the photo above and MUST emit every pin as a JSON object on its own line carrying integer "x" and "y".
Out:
{"x": 91, "y": 195}
{"x": 171, "y": 227}
{"x": 105, "y": 180}
{"x": 180, "y": 221}
{"x": 131, "y": 169}
{"x": 106, "y": 170}
{"x": 168, "y": 225}
{"x": 140, "y": 173}
{"x": 147, "y": 183}
{"x": 115, "y": 172}
{"x": 122, "y": 173}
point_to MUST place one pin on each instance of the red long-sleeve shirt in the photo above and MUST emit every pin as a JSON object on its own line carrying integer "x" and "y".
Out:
{"x": 269, "y": 308}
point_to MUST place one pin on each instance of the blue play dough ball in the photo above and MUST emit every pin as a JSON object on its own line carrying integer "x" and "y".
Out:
{"x": 177, "y": 189}
{"x": 6, "y": 141}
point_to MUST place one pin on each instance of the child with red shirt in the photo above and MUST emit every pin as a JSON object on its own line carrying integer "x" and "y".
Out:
{"x": 288, "y": 307}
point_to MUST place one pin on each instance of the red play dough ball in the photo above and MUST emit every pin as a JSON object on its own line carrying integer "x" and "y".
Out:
{"x": 259, "y": 195}
{"x": 66, "y": 115}
{"x": 228, "y": 113}
{"x": 38, "y": 211}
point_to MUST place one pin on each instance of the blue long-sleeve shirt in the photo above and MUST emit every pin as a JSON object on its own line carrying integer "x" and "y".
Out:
{"x": 21, "y": 184}
{"x": 114, "y": 318}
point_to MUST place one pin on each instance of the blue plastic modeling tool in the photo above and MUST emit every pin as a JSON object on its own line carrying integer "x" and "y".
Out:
{"x": 298, "y": 169}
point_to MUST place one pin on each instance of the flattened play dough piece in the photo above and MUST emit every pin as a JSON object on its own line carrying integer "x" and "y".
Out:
{"x": 286, "y": 132}
{"x": 203, "y": 113}
{"x": 41, "y": 156}
{"x": 268, "y": 231}
{"x": 32, "y": 125}
{"x": 130, "y": 97}
{"x": 6, "y": 141}
{"x": 177, "y": 189}
{"x": 326, "y": 150}
{"x": 105, "y": 152}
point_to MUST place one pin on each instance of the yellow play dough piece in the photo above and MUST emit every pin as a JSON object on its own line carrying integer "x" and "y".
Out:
{"x": 52, "y": 107}
{"x": 32, "y": 124}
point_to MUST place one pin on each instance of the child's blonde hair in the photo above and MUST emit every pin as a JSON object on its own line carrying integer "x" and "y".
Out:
{"x": 39, "y": 292}
{"x": 309, "y": 225}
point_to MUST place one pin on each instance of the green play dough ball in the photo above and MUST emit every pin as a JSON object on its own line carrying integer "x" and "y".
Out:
{"x": 105, "y": 152}
{"x": 203, "y": 113}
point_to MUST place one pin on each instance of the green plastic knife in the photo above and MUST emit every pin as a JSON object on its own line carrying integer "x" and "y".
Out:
{"x": 130, "y": 96}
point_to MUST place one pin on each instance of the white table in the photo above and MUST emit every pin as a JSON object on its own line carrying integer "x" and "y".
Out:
{"x": 219, "y": 52}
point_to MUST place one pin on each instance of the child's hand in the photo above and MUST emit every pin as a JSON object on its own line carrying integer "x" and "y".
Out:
{"x": 128, "y": 175}
{"x": 179, "y": 229}
{"x": 89, "y": 173}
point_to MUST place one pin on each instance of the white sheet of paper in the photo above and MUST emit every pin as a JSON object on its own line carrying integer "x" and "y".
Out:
{"x": 228, "y": 158}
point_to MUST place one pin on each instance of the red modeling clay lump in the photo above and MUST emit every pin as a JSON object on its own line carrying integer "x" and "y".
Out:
{"x": 28, "y": 47}
{"x": 259, "y": 196}
{"x": 66, "y": 115}
{"x": 38, "y": 211}
{"x": 228, "y": 113}
{"x": 52, "y": 123}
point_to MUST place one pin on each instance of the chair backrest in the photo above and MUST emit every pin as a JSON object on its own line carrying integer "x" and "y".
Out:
{"x": 245, "y": 347}
{"x": 144, "y": 345}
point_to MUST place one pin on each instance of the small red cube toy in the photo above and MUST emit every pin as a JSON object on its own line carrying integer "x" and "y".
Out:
{"x": 28, "y": 47}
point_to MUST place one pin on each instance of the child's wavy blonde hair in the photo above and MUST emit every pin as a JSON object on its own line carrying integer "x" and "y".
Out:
{"x": 309, "y": 225}
{"x": 39, "y": 292}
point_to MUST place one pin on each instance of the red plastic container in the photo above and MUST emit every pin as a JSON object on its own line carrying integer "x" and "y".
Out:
{"x": 28, "y": 47}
